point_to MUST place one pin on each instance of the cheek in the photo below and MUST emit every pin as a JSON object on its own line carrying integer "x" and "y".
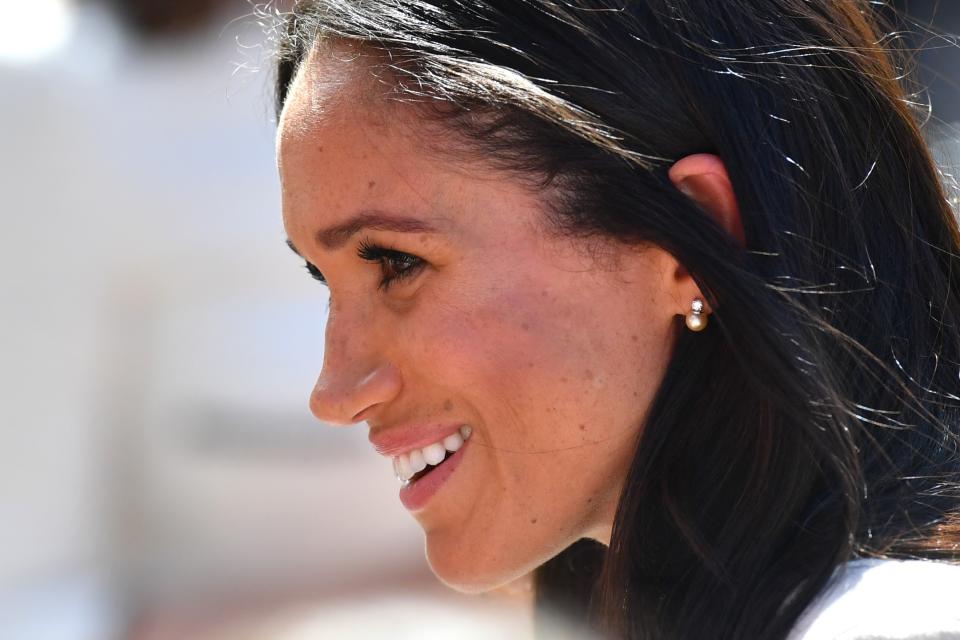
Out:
{"x": 560, "y": 391}
{"x": 539, "y": 357}
{"x": 515, "y": 333}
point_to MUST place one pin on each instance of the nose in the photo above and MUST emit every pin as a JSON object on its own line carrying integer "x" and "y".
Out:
{"x": 353, "y": 380}
{"x": 346, "y": 398}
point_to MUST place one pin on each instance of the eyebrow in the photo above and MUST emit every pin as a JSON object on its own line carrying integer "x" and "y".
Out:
{"x": 336, "y": 236}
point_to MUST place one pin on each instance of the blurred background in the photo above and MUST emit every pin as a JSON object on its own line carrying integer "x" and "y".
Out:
{"x": 160, "y": 473}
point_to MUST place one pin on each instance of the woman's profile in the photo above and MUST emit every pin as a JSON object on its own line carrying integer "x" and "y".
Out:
{"x": 657, "y": 299}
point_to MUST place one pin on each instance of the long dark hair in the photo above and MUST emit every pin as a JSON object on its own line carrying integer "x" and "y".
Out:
{"x": 816, "y": 418}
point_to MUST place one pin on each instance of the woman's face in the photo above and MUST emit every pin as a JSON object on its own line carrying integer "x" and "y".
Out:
{"x": 549, "y": 349}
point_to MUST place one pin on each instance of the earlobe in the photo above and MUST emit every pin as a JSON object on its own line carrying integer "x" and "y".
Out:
{"x": 703, "y": 178}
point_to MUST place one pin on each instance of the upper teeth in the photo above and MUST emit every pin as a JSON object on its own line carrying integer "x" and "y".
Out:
{"x": 416, "y": 460}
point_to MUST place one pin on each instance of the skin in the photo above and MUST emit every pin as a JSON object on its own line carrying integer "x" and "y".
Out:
{"x": 551, "y": 355}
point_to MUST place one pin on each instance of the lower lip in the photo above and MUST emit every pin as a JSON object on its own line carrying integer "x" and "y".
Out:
{"x": 415, "y": 496}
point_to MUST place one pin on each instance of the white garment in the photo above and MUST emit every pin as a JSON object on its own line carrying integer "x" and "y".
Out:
{"x": 873, "y": 599}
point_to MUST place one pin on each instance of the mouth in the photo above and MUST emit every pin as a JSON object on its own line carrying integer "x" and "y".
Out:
{"x": 420, "y": 484}
{"x": 429, "y": 468}
{"x": 415, "y": 464}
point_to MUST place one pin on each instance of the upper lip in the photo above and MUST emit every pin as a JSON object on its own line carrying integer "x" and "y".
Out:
{"x": 396, "y": 440}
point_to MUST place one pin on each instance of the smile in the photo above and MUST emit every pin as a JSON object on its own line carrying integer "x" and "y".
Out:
{"x": 421, "y": 485}
{"x": 416, "y": 463}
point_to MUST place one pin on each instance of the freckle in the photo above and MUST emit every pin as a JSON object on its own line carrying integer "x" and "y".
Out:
{"x": 634, "y": 337}
{"x": 588, "y": 374}
{"x": 563, "y": 378}
{"x": 524, "y": 326}
{"x": 544, "y": 293}
{"x": 533, "y": 521}
{"x": 320, "y": 149}
{"x": 583, "y": 427}
{"x": 447, "y": 405}
{"x": 590, "y": 499}
{"x": 530, "y": 365}
{"x": 371, "y": 183}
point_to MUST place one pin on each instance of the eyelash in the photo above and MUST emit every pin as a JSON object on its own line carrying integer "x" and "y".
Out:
{"x": 409, "y": 264}
{"x": 387, "y": 258}
{"x": 315, "y": 273}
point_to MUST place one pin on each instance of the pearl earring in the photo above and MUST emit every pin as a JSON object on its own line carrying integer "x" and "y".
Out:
{"x": 696, "y": 321}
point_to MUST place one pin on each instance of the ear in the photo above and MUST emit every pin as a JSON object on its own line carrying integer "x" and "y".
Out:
{"x": 703, "y": 178}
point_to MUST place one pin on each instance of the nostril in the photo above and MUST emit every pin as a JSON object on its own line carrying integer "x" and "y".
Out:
{"x": 360, "y": 417}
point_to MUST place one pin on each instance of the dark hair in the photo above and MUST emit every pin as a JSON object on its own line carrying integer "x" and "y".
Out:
{"x": 816, "y": 418}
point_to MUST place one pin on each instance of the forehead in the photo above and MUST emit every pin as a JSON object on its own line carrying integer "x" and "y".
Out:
{"x": 343, "y": 148}
{"x": 343, "y": 84}
{"x": 346, "y": 145}
{"x": 329, "y": 76}
{"x": 332, "y": 131}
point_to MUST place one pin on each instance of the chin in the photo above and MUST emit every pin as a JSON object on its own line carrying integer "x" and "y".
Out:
{"x": 459, "y": 574}
{"x": 473, "y": 573}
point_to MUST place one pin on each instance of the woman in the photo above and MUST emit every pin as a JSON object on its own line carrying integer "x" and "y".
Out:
{"x": 659, "y": 299}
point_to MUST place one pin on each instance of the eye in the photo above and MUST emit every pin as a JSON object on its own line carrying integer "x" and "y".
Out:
{"x": 395, "y": 265}
{"x": 315, "y": 273}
